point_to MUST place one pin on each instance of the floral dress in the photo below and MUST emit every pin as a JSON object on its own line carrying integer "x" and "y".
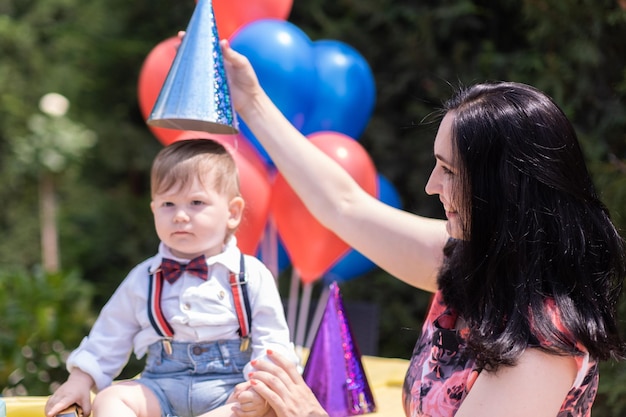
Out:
{"x": 442, "y": 371}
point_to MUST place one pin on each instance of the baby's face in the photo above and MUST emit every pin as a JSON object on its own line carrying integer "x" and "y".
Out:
{"x": 195, "y": 219}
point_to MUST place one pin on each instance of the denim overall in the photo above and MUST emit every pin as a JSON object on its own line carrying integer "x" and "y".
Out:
{"x": 195, "y": 377}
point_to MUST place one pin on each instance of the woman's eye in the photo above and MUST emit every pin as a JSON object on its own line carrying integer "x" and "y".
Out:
{"x": 447, "y": 171}
{"x": 167, "y": 204}
{"x": 197, "y": 203}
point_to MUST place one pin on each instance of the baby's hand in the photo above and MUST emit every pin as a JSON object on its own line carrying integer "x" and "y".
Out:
{"x": 76, "y": 390}
{"x": 250, "y": 404}
{"x": 239, "y": 388}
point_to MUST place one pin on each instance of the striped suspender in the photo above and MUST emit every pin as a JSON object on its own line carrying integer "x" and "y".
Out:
{"x": 239, "y": 287}
{"x": 155, "y": 313}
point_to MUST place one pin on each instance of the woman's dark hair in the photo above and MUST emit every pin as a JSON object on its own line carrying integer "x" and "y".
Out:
{"x": 537, "y": 231}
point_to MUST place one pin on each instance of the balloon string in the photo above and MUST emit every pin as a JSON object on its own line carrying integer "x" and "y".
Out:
{"x": 303, "y": 315}
{"x": 319, "y": 314}
{"x": 269, "y": 249}
{"x": 294, "y": 290}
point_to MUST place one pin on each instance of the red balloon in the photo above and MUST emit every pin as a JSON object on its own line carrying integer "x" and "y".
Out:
{"x": 230, "y": 15}
{"x": 152, "y": 75}
{"x": 256, "y": 191}
{"x": 312, "y": 248}
{"x": 255, "y": 187}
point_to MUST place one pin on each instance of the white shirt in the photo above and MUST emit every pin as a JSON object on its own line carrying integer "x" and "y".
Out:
{"x": 197, "y": 310}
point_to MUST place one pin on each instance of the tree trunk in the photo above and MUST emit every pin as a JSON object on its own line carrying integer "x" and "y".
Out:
{"x": 47, "y": 213}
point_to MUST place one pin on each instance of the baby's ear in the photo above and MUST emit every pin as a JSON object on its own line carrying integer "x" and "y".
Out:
{"x": 235, "y": 207}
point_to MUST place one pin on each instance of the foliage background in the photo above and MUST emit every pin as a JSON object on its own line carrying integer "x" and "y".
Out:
{"x": 92, "y": 52}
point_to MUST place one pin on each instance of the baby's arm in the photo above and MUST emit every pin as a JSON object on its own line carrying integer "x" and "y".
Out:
{"x": 76, "y": 390}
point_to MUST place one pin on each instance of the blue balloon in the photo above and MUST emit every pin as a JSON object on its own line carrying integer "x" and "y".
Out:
{"x": 353, "y": 264}
{"x": 282, "y": 57}
{"x": 345, "y": 93}
{"x": 387, "y": 193}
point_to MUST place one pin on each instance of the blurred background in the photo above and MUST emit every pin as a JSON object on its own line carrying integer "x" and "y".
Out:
{"x": 74, "y": 164}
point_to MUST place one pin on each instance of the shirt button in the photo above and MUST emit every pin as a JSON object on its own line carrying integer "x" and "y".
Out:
{"x": 186, "y": 306}
{"x": 197, "y": 350}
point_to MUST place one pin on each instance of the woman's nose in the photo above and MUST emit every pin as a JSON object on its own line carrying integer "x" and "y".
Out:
{"x": 432, "y": 186}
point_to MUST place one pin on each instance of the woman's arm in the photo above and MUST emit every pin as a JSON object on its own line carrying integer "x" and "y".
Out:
{"x": 536, "y": 386}
{"x": 405, "y": 245}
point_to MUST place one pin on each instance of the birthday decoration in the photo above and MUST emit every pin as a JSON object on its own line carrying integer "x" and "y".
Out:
{"x": 333, "y": 370}
{"x": 152, "y": 74}
{"x": 195, "y": 94}
{"x": 345, "y": 90}
{"x": 230, "y": 15}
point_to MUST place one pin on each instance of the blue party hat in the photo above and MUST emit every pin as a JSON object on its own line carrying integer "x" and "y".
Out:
{"x": 333, "y": 370}
{"x": 195, "y": 95}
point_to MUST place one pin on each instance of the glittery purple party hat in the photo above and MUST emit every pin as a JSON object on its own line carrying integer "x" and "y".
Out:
{"x": 195, "y": 94}
{"x": 333, "y": 370}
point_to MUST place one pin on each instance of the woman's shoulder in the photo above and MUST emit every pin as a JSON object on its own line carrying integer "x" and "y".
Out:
{"x": 586, "y": 366}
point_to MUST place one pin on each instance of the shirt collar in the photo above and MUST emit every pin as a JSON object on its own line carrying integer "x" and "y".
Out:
{"x": 229, "y": 257}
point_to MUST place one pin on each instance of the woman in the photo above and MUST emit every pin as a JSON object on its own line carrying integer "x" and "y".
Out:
{"x": 526, "y": 270}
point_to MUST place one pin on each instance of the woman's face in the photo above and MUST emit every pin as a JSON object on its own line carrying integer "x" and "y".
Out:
{"x": 444, "y": 180}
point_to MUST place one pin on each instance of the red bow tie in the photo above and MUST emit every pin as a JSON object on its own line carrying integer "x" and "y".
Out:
{"x": 172, "y": 270}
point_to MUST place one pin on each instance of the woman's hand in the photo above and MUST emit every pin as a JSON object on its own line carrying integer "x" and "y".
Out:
{"x": 76, "y": 390}
{"x": 283, "y": 388}
{"x": 243, "y": 82}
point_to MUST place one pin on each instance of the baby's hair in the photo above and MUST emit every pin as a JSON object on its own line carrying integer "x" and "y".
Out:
{"x": 178, "y": 164}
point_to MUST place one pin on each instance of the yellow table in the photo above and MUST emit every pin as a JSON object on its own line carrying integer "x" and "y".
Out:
{"x": 384, "y": 375}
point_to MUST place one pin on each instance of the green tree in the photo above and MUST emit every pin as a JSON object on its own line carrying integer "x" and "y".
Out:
{"x": 53, "y": 144}
{"x": 44, "y": 317}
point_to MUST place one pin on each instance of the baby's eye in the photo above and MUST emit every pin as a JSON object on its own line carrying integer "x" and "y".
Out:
{"x": 197, "y": 203}
{"x": 167, "y": 204}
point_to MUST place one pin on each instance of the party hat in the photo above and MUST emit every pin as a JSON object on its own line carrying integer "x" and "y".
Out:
{"x": 195, "y": 95}
{"x": 333, "y": 370}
